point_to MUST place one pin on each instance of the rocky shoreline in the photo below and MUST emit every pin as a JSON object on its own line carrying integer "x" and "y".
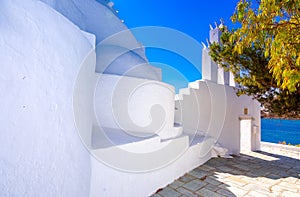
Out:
{"x": 268, "y": 115}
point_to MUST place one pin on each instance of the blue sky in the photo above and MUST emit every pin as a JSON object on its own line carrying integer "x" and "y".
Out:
{"x": 190, "y": 17}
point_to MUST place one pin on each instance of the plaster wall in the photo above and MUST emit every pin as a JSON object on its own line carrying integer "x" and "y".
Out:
{"x": 209, "y": 67}
{"x": 145, "y": 183}
{"x": 216, "y": 113}
{"x": 42, "y": 51}
{"x": 99, "y": 19}
{"x": 137, "y": 105}
{"x": 41, "y": 152}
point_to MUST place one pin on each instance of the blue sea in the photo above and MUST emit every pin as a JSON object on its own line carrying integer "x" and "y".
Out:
{"x": 275, "y": 130}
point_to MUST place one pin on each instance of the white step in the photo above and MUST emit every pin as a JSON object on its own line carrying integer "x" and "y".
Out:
{"x": 185, "y": 91}
{"x": 194, "y": 84}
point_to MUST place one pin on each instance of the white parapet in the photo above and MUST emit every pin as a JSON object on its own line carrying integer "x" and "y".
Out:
{"x": 209, "y": 67}
{"x": 231, "y": 79}
{"x": 223, "y": 76}
{"x": 172, "y": 159}
{"x": 136, "y": 105}
{"x": 215, "y": 109}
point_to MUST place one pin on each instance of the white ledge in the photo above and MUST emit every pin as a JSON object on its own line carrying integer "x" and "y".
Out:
{"x": 246, "y": 117}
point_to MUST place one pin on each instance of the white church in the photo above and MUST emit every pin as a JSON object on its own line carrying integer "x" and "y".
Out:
{"x": 83, "y": 113}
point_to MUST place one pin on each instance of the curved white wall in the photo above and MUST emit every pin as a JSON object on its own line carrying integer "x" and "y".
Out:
{"x": 116, "y": 60}
{"x": 98, "y": 19}
{"x": 134, "y": 104}
{"x": 41, "y": 152}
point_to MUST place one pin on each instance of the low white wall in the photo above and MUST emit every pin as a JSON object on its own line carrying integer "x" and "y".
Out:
{"x": 142, "y": 106}
{"x": 280, "y": 149}
{"x": 109, "y": 182}
{"x": 215, "y": 110}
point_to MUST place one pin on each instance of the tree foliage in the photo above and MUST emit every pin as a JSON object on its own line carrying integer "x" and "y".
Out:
{"x": 275, "y": 25}
{"x": 264, "y": 53}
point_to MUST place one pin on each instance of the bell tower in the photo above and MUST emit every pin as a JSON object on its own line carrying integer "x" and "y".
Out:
{"x": 210, "y": 70}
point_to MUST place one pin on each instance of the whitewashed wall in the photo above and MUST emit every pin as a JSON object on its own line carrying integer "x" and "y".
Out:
{"x": 109, "y": 182}
{"x": 102, "y": 21}
{"x": 215, "y": 110}
{"x": 41, "y": 152}
{"x": 135, "y": 104}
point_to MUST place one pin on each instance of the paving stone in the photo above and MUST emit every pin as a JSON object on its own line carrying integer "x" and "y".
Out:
{"x": 194, "y": 185}
{"x": 225, "y": 168}
{"x": 289, "y": 185}
{"x": 256, "y": 166}
{"x": 275, "y": 194}
{"x": 290, "y": 194}
{"x": 186, "y": 192}
{"x": 249, "y": 180}
{"x": 176, "y": 184}
{"x": 292, "y": 180}
{"x": 204, "y": 172}
{"x": 212, "y": 181}
{"x": 156, "y": 195}
{"x": 294, "y": 173}
{"x": 257, "y": 194}
{"x": 258, "y": 187}
{"x": 207, "y": 193}
{"x": 283, "y": 174}
{"x": 169, "y": 192}
{"x": 252, "y": 174}
{"x": 231, "y": 184}
{"x": 206, "y": 168}
{"x": 282, "y": 188}
{"x": 266, "y": 181}
{"x": 214, "y": 162}
{"x": 245, "y": 157}
{"x": 236, "y": 180}
{"x": 225, "y": 192}
{"x": 273, "y": 176}
{"x": 260, "y": 172}
{"x": 237, "y": 172}
{"x": 285, "y": 166}
{"x": 237, "y": 191}
{"x": 220, "y": 175}
{"x": 212, "y": 187}
{"x": 255, "y": 173}
{"x": 223, "y": 186}
{"x": 186, "y": 178}
{"x": 244, "y": 167}
{"x": 297, "y": 166}
{"x": 276, "y": 188}
{"x": 198, "y": 174}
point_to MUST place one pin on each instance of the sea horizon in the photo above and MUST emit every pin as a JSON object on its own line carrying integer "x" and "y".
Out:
{"x": 276, "y": 130}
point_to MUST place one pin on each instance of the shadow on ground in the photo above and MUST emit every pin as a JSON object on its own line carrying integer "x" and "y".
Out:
{"x": 251, "y": 174}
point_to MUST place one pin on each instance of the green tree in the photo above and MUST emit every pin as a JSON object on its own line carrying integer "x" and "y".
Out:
{"x": 264, "y": 53}
{"x": 275, "y": 25}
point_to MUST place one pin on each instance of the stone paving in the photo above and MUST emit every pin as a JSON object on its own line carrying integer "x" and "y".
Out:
{"x": 249, "y": 174}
